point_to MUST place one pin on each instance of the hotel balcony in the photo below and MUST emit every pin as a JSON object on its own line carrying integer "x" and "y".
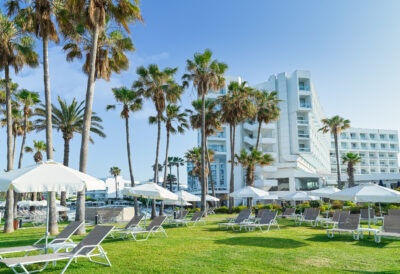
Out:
{"x": 303, "y": 135}
{"x": 303, "y": 122}
{"x": 304, "y": 149}
{"x": 263, "y": 140}
{"x": 262, "y": 169}
{"x": 254, "y": 126}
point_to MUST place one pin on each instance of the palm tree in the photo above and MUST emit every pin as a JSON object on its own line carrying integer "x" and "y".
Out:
{"x": 205, "y": 74}
{"x": 115, "y": 171}
{"x": 175, "y": 122}
{"x": 335, "y": 126}
{"x": 171, "y": 178}
{"x": 159, "y": 86}
{"x": 249, "y": 161}
{"x": 28, "y": 99}
{"x": 17, "y": 125}
{"x": 193, "y": 156}
{"x": 212, "y": 126}
{"x": 67, "y": 118}
{"x": 131, "y": 102}
{"x": 236, "y": 107}
{"x": 351, "y": 159}
{"x": 267, "y": 109}
{"x": 178, "y": 162}
{"x": 16, "y": 50}
{"x": 38, "y": 147}
{"x": 92, "y": 14}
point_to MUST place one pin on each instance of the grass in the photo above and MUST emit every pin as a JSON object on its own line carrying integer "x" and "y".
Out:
{"x": 206, "y": 249}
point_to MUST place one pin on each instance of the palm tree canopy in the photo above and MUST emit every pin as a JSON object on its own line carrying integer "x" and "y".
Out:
{"x": 236, "y": 105}
{"x": 334, "y": 125}
{"x": 353, "y": 158}
{"x": 130, "y": 100}
{"x": 158, "y": 85}
{"x": 212, "y": 117}
{"x": 68, "y": 118}
{"x": 16, "y": 50}
{"x": 194, "y": 156}
{"x": 28, "y": 99}
{"x": 205, "y": 74}
{"x": 254, "y": 157}
{"x": 115, "y": 171}
{"x": 267, "y": 106}
{"x": 175, "y": 120}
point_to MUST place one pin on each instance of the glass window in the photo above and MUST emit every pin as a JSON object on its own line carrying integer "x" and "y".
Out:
{"x": 283, "y": 185}
{"x": 382, "y": 136}
{"x": 307, "y": 183}
{"x": 372, "y": 136}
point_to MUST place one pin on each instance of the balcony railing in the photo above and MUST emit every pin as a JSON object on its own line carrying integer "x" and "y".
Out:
{"x": 303, "y": 105}
{"x": 304, "y": 149}
{"x": 302, "y": 122}
{"x": 304, "y": 135}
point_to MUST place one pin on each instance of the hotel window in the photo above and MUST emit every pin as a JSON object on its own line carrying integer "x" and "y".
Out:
{"x": 372, "y": 162}
{"x": 381, "y": 155}
{"x": 382, "y": 136}
{"x": 392, "y": 146}
{"x": 372, "y": 136}
{"x": 353, "y": 145}
{"x": 383, "y": 146}
{"x": 373, "y": 146}
{"x": 372, "y": 155}
{"x": 362, "y": 154}
{"x": 362, "y": 136}
{"x": 382, "y": 163}
{"x": 363, "y": 171}
{"x": 373, "y": 170}
{"x": 343, "y": 136}
{"x": 391, "y": 137}
{"x": 391, "y": 163}
{"x": 307, "y": 183}
{"x": 283, "y": 185}
{"x": 353, "y": 136}
{"x": 383, "y": 170}
{"x": 392, "y": 170}
{"x": 363, "y": 145}
{"x": 343, "y": 145}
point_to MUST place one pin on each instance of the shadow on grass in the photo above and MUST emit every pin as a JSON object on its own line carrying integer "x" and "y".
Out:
{"x": 347, "y": 238}
{"x": 262, "y": 242}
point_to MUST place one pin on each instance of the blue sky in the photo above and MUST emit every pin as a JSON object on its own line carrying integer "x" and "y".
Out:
{"x": 350, "y": 47}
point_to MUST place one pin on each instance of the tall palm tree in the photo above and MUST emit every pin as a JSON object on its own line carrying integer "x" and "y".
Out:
{"x": 178, "y": 162}
{"x": 159, "y": 86}
{"x": 115, "y": 171}
{"x": 236, "y": 107}
{"x": 335, "y": 126}
{"x": 17, "y": 125}
{"x": 171, "y": 178}
{"x": 16, "y": 50}
{"x": 249, "y": 161}
{"x": 351, "y": 159}
{"x": 193, "y": 156}
{"x": 28, "y": 99}
{"x": 175, "y": 122}
{"x": 212, "y": 126}
{"x": 206, "y": 75}
{"x": 92, "y": 14}
{"x": 267, "y": 109}
{"x": 131, "y": 102}
{"x": 38, "y": 147}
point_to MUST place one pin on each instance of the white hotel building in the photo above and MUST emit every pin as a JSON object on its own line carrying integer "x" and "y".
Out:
{"x": 302, "y": 153}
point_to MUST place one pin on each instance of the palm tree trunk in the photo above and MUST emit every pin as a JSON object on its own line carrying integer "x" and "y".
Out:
{"x": 209, "y": 171}
{"x": 128, "y": 149}
{"x": 9, "y": 212}
{"x": 258, "y": 134}
{"x": 14, "y": 146}
{"x": 21, "y": 153}
{"x": 165, "y": 172}
{"x": 337, "y": 160}
{"x": 350, "y": 174}
{"x": 203, "y": 148}
{"x": 63, "y": 201}
{"x": 15, "y": 207}
{"x": 177, "y": 174}
{"x": 9, "y": 225}
{"x": 153, "y": 204}
{"x": 232, "y": 179}
{"x": 87, "y": 120}
{"x": 116, "y": 187}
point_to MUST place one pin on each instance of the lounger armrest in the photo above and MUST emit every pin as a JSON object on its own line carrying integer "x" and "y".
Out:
{"x": 42, "y": 239}
{"x": 76, "y": 254}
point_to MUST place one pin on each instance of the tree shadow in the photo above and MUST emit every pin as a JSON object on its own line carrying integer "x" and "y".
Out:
{"x": 366, "y": 242}
{"x": 262, "y": 242}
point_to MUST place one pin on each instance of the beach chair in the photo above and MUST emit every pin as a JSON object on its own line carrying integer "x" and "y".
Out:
{"x": 364, "y": 214}
{"x": 267, "y": 219}
{"x": 61, "y": 241}
{"x": 346, "y": 224}
{"x": 240, "y": 219}
{"x": 89, "y": 248}
{"x": 154, "y": 227}
{"x": 393, "y": 211}
{"x": 390, "y": 228}
{"x": 181, "y": 216}
{"x": 196, "y": 218}
{"x": 211, "y": 210}
{"x": 310, "y": 216}
{"x": 335, "y": 218}
{"x": 260, "y": 213}
{"x": 131, "y": 225}
{"x": 289, "y": 212}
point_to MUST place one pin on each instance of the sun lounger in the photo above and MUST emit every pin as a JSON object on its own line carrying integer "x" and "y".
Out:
{"x": 132, "y": 225}
{"x": 310, "y": 216}
{"x": 154, "y": 227}
{"x": 240, "y": 219}
{"x": 196, "y": 218}
{"x": 390, "y": 228}
{"x": 181, "y": 216}
{"x": 85, "y": 249}
{"x": 211, "y": 210}
{"x": 393, "y": 211}
{"x": 364, "y": 214}
{"x": 267, "y": 219}
{"x": 289, "y": 212}
{"x": 61, "y": 241}
{"x": 346, "y": 224}
{"x": 335, "y": 218}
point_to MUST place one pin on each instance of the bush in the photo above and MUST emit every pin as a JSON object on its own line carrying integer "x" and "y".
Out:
{"x": 354, "y": 209}
{"x": 222, "y": 209}
{"x": 315, "y": 204}
{"x": 349, "y": 203}
{"x": 300, "y": 208}
{"x": 237, "y": 209}
{"x": 193, "y": 210}
{"x": 337, "y": 205}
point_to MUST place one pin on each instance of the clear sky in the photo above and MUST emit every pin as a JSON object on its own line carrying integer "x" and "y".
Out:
{"x": 350, "y": 47}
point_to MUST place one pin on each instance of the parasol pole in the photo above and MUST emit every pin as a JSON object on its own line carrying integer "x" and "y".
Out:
{"x": 47, "y": 221}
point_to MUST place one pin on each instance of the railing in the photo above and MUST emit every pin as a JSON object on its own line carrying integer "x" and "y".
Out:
{"x": 303, "y": 122}
{"x": 304, "y": 149}
{"x": 305, "y": 105}
{"x": 304, "y": 135}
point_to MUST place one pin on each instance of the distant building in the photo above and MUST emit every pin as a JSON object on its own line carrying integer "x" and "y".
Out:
{"x": 110, "y": 191}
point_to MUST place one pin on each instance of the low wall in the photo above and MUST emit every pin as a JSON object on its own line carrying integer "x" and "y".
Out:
{"x": 109, "y": 214}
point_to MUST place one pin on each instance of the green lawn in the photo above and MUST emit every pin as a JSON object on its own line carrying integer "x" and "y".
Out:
{"x": 205, "y": 249}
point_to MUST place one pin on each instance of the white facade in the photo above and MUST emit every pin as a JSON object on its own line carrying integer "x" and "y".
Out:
{"x": 111, "y": 188}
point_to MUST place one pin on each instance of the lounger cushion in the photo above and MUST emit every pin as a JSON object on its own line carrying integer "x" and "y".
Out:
{"x": 20, "y": 249}
{"x": 36, "y": 259}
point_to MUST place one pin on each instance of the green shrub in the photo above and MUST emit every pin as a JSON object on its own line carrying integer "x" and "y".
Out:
{"x": 315, "y": 204}
{"x": 237, "y": 209}
{"x": 354, "y": 209}
{"x": 193, "y": 210}
{"x": 349, "y": 203}
{"x": 337, "y": 205}
{"x": 222, "y": 209}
